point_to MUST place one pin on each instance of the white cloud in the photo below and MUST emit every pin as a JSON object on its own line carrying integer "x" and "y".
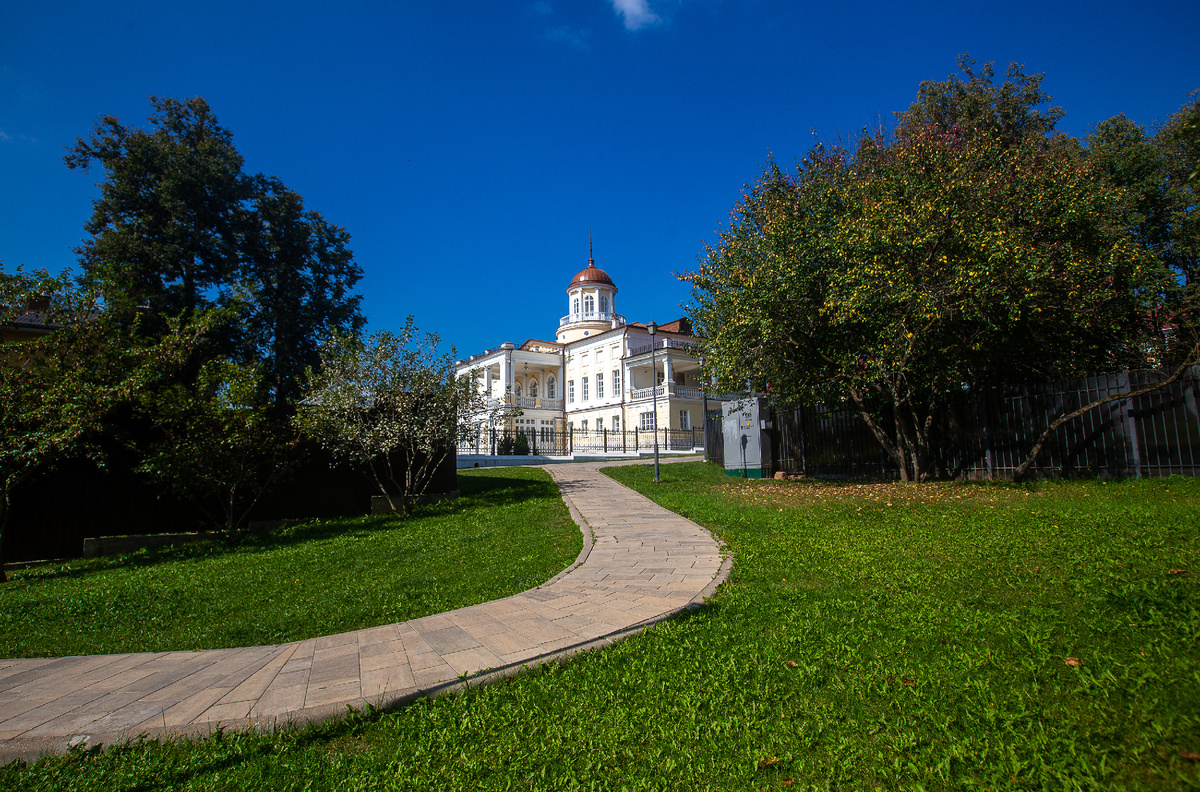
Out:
{"x": 636, "y": 13}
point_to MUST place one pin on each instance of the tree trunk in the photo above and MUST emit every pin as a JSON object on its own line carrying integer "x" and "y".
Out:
{"x": 1021, "y": 471}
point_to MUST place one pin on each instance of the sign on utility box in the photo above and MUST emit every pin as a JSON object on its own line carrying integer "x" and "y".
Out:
{"x": 747, "y": 444}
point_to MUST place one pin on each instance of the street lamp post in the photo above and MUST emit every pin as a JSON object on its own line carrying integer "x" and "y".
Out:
{"x": 704, "y": 398}
{"x": 653, "y": 328}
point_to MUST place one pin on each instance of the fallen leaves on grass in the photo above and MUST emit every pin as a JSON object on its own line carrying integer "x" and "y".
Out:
{"x": 1190, "y": 756}
{"x": 1073, "y": 662}
{"x": 791, "y": 663}
{"x": 763, "y": 764}
{"x": 1180, "y": 572}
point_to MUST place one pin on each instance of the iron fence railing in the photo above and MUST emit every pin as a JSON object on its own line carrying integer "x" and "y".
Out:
{"x": 548, "y": 442}
{"x": 989, "y": 433}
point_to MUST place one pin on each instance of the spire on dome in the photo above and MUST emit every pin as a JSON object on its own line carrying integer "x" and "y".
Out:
{"x": 591, "y": 261}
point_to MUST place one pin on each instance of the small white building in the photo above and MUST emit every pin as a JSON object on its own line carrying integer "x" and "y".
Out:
{"x": 592, "y": 387}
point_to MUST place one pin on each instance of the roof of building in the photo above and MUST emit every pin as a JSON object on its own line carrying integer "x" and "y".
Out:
{"x": 681, "y": 326}
{"x": 591, "y": 274}
{"x": 533, "y": 343}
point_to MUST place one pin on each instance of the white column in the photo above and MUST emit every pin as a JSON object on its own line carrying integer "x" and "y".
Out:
{"x": 668, "y": 379}
{"x": 487, "y": 377}
{"x": 505, "y": 374}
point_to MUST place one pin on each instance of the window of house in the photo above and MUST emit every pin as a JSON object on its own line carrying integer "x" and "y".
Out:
{"x": 599, "y": 424}
{"x": 616, "y": 379}
{"x": 583, "y": 426}
{"x": 647, "y": 421}
{"x": 571, "y": 391}
{"x": 575, "y": 306}
{"x": 533, "y": 388}
{"x": 616, "y": 422}
{"x": 550, "y": 383}
{"x": 518, "y": 389}
{"x": 685, "y": 419}
{"x": 589, "y": 305}
{"x": 603, "y": 303}
{"x": 599, "y": 386}
{"x": 583, "y": 389}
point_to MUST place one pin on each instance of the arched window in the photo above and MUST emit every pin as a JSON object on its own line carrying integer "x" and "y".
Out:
{"x": 533, "y": 389}
{"x": 589, "y": 305}
{"x": 575, "y": 306}
{"x": 603, "y": 303}
{"x": 518, "y": 389}
{"x": 550, "y": 388}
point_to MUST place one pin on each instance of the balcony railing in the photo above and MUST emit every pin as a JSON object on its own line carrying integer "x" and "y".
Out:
{"x": 666, "y": 343}
{"x": 525, "y": 403}
{"x": 645, "y": 393}
{"x": 593, "y": 316}
{"x": 687, "y": 392}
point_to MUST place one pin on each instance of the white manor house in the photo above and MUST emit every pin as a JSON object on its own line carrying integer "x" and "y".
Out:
{"x": 593, "y": 387}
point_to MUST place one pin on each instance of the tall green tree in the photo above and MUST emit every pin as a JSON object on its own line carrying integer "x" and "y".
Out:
{"x": 969, "y": 249}
{"x": 165, "y": 230}
{"x": 298, "y": 271}
{"x": 972, "y": 103}
{"x": 180, "y": 227}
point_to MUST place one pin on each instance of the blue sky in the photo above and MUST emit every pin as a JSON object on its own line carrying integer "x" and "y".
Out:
{"x": 468, "y": 146}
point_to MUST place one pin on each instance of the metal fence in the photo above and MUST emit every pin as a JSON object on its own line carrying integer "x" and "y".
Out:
{"x": 548, "y": 442}
{"x": 989, "y": 434}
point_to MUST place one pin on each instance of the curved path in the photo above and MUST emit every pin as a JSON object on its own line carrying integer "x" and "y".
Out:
{"x": 640, "y": 564}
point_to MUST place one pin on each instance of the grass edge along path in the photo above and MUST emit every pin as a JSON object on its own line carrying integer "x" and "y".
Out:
{"x": 618, "y": 589}
{"x": 870, "y": 636}
{"x": 509, "y": 531}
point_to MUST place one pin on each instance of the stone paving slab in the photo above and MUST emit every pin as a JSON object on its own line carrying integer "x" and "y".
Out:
{"x": 640, "y": 564}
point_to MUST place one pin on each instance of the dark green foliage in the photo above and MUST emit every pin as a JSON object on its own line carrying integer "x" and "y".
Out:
{"x": 1010, "y": 112}
{"x": 180, "y": 227}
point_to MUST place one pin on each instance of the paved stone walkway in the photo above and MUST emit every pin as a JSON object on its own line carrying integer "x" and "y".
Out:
{"x": 640, "y": 564}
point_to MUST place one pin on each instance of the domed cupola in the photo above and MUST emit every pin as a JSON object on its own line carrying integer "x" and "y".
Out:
{"x": 591, "y": 302}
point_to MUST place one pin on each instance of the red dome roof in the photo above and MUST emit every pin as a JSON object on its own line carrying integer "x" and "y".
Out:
{"x": 591, "y": 275}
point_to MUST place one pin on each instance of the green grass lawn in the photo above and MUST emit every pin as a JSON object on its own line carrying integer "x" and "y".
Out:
{"x": 888, "y": 636}
{"x": 508, "y": 532}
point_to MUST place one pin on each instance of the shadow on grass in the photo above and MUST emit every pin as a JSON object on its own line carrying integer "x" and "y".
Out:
{"x": 478, "y": 490}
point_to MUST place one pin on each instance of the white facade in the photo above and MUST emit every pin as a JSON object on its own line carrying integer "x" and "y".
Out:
{"x": 595, "y": 380}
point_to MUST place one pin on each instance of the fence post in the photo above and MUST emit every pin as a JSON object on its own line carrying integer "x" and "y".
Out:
{"x": 1134, "y": 439}
{"x": 989, "y": 451}
{"x": 571, "y": 440}
{"x": 605, "y": 433}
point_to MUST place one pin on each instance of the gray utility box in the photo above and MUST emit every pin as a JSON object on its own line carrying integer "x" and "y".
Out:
{"x": 744, "y": 424}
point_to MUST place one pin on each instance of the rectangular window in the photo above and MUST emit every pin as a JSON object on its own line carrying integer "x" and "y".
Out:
{"x": 599, "y": 386}
{"x": 571, "y": 391}
{"x": 583, "y": 389}
{"x": 685, "y": 419}
{"x": 616, "y": 422}
{"x": 599, "y": 424}
{"x": 599, "y": 355}
{"x": 647, "y": 421}
{"x": 583, "y": 426}
{"x": 616, "y": 382}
